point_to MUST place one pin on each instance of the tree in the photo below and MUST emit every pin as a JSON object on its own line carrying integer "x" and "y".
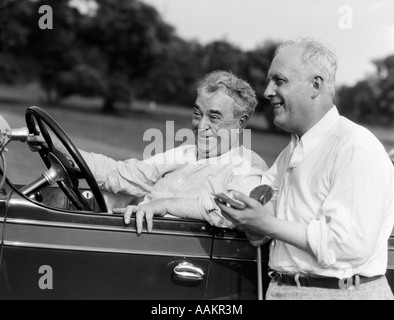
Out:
{"x": 258, "y": 62}
{"x": 385, "y": 86}
{"x": 173, "y": 77}
{"x": 131, "y": 37}
{"x": 372, "y": 99}
{"x": 358, "y": 102}
{"x": 16, "y": 23}
{"x": 30, "y": 52}
{"x": 104, "y": 52}
{"x": 82, "y": 80}
{"x": 222, "y": 55}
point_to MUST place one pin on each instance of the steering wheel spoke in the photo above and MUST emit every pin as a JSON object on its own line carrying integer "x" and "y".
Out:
{"x": 75, "y": 197}
{"x": 78, "y": 174}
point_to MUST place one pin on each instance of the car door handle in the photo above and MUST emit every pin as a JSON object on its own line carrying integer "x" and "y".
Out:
{"x": 188, "y": 271}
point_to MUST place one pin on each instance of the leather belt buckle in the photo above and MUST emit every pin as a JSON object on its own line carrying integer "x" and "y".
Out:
{"x": 276, "y": 276}
{"x": 346, "y": 283}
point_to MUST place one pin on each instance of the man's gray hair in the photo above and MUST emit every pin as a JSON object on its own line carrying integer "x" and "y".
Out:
{"x": 236, "y": 88}
{"x": 318, "y": 56}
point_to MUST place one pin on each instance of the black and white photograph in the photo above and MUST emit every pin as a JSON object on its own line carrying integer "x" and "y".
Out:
{"x": 197, "y": 154}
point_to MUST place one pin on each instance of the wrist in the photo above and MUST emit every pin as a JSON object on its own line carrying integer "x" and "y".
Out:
{"x": 267, "y": 226}
{"x": 163, "y": 206}
{"x": 257, "y": 239}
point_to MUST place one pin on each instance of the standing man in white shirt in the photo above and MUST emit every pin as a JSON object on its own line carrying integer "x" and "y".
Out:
{"x": 333, "y": 189}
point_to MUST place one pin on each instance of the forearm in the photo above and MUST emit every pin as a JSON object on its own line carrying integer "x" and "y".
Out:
{"x": 187, "y": 208}
{"x": 89, "y": 159}
{"x": 293, "y": 233}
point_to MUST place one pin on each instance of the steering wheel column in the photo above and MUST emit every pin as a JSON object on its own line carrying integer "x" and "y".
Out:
{"x": 56, "y": 173}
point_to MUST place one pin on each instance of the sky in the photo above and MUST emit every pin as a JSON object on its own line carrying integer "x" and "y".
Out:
{"x": 359, "y": 31}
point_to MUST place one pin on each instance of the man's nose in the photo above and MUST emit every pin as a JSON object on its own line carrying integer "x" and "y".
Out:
{"x": 269, "y": 90}
{"x": 203, "y": 124}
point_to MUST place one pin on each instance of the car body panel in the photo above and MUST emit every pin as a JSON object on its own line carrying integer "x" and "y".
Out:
{"x": 232, "y": 280}
{"x": 390, "y": 262}
{"x": 94, "y": 275}
{"x": 1, "y": 230}
{"x": 95, "y": 256}
{"x": 4, "y": 196}
{"x": 64, "y": 236}
{"x": 227, "y": 244}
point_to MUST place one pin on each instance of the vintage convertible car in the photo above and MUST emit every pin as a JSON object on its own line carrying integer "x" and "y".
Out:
{"x": 59, "y": 240}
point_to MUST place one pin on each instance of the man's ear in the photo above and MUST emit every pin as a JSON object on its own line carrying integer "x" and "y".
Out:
{"x": 317, "y": 84}
{"x": 243, "y": 121}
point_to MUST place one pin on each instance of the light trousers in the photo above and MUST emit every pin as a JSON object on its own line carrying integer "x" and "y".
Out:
{"x": 375, "y": 290}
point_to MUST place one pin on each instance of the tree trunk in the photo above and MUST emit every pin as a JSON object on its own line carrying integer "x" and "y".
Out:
{"x": 50, "y": 95}
{"x": 109, "y": 106}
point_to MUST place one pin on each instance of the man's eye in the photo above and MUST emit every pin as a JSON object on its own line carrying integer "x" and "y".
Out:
{"x": 279, "y": 81}
{"x": 214, "y": 118}
{"x": 196, "y": 114}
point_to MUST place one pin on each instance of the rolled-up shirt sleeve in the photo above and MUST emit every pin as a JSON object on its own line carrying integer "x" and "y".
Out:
{"x": 202, "y": 207}
{"x": 356, "y": 211}
{"x": 210, "y": 212}
{"x": 241, "y": 183}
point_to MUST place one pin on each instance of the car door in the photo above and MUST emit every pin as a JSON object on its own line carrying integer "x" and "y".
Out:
{"x": 390, "y": 263}
{"x": 4, "y": 193}
{"x": 234, "y": 268}
{"x": 3, "y": 210}
{"x": 51, "y": 253}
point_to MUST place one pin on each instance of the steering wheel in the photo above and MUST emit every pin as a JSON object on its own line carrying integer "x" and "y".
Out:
{"x": 68, "y": 175}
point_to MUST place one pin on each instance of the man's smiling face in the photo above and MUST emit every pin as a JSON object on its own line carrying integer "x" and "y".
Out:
{"x": 289, "y": 91}
{"x": 214, "y": 124}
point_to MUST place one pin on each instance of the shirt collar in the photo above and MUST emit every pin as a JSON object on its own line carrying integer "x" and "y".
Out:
{"x": 234, "y": 156}
{"x": 314, "y": 135}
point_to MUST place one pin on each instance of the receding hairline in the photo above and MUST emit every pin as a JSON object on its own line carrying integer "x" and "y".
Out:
{"x": 317, "y": 56}
{"x": 294, "y": 64}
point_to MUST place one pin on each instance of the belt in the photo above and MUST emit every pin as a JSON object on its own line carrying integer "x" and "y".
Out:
{"x": 320, "y": 282}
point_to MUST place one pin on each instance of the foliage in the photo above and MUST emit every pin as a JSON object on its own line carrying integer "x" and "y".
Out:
{"x": 16, "y": 26}
{"x": 130, "y": 36}
{"x": 371, "y": 100}
{"x": 256, "y": 70}
{"x": 122, "y": 49}
{"x": 173, "y": 76}
{"x": 116, "y": 46}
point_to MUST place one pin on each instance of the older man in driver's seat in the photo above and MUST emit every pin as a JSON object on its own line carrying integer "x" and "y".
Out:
{"x": 181, "y": 182}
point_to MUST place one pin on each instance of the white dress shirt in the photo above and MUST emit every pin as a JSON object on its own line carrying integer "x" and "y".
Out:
{"x": 178, "y": 173}
{"x": 339, "y": 181}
